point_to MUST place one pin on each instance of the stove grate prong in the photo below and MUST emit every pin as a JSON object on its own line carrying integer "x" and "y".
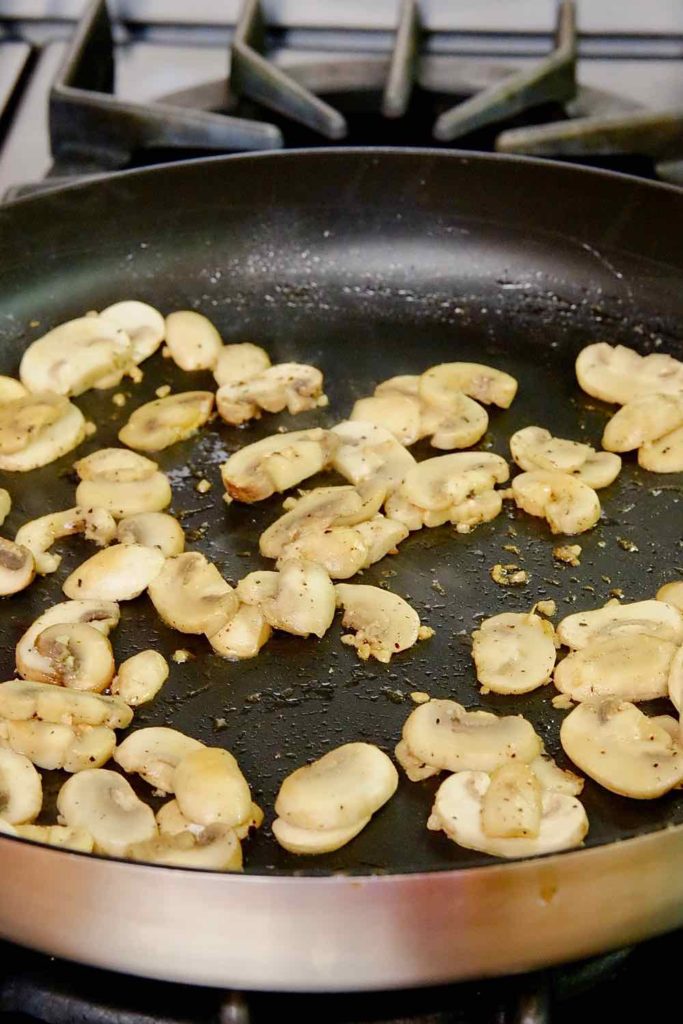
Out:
{"x": 402, "y": 69}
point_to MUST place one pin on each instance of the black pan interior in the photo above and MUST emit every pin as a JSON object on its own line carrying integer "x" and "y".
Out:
{"x": 367, "y": 264}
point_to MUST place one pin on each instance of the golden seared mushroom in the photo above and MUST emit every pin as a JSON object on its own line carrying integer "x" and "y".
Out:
{"x": 323, "y": 805}
{"x": 630, "y": 666}
{"x": 192, "y": 340}
{"x": 119, "y": 573}
{"x": 237, "y": 363}
{"x": 10, "y": 390}
{"x": 165, "y": 421}
{"x": 96, "y": 524}
{"x": 21, "y": 789}
{"x": 5, "y": 504}
{"x": 143, "y": 324}
{"x": 79, "y": 656}
{"x": 215, "y": 848}
{"x": 154, "y": 754}
{"x": 455, "y": 422}
{"x": 653, "y": 618}
{"x": 442, "y": 736}
{"x": 535, "y": 448}
{"x": 473, "y": 809}
{"x": 569, "y": 505}
{"x": 17, "y": 567}
{"x": 101, "y": 615}
{"x": 384, "y": 623}
{"x": 121, "y": 481}
{"x": 514, "y": 652}
{"x": 643, "y": 420}
{"x": 484, "y": 383}
{"x": 613, "y": 742}
{"x": 153, "y": 530}
{"x": 191, "y": 596}
{"x": 76, "y": 356}
{"x": 103, "y": 803}
{"x": 210, "y": 788}
{"x": 369, "y": 455}
{"x": 618, "y": 374}
{"x": 140, "y": 678}
{"x": 243, "y": 635}
{"x": 277, "y": 463}
{"x": 24, "y": 699}
{"x": 665, "y": 455}
{"x": 318, "y": 510}
{"x": 672, "y": 593}
{"x": 37, "y": 429}
{"x": 292, "y": 386}
{"x": 58, "y": 835}
{"x": 52, "y": 745}
{"x": 303, "y": 601}
{"x": 398, "y": 413}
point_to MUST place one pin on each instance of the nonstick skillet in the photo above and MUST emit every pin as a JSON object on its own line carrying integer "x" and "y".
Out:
{"x": 368, "y": 264}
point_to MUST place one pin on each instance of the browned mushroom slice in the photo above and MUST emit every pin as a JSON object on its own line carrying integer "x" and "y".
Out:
{"x": 191, "y": 596}
{"x": 76, "y": 356}
{"x": 165, "y": 421}
{"x": 37, "y": 429}
{"x": 277, "y": 463}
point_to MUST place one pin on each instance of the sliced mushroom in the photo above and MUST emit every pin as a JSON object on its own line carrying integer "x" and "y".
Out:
{"x": 79, "y": 656}
{"x": 154, "y": 754}
{"x": 384, "y": 623}
{"x": 119, "y": 573}
{"x": 191, "y": 596}
{"x": 122, "y": 482}
{"x": 316, "y": 511}
{"x": 23, "y": 699}
{"x": 240, "y": 362}
{"x": 599, "y": 470}
{"x": 140, "y": 678}
{"x": 101, "y": 615}
{"x": 243, "y": 635}
{"x": 485, "y": 383}
{"x": 630, "y": 666}
{"x": 370, "y": 455}
{"x": 303, "y": 602}
{"x": 210, "y": 788}
{"x": 672, "y": 593}
{"x": 458, "y": 811}
{"x": 277, "y": 463}
{"x": 10, "y": 390}
{"x": 555, "y": 778}
{"x": 292, "y": 386}
{"x": 96, "y": 524}
{"x": 339, "y": 550}
{"x": 17, "y": 567}
{"x": 52, "y": 745}
{"x": 441, "y": 734}
{"x": 192, "y": 340}
{"x": 569, "y": 505}
{"x": 448, "y": 480}
{"x": 514, "y": 652}
{"x": 628, "y": 753}
{"x": 58, "y": 835}
{"x": 215, "y": 848}
{"x": 308, "y": 841}
{"x": 153, "y": 530}
{"x": 512, "y": 807}
{"x": 76, "y": 356}
{"x": 642, "y": 420}
{"x": 481, "y": 508}
{"x": 37, "y": 429}
{"x": 460, "y": 424}
{"x": 104, "y": 804}
{"x": 381, "y": 537}
{"x": 654, "y": 618}
{"x": 398, "y": 413}
{"x": 665, "y": 455}
{"x": 143, "y": 324}
{"x": 165, "y": 421}
{"x": 5, "y": 504}
{"x": 675, "y": 680}
{"x": 619, "y": 374}
{"x": 257, "y": 587}
{"x": 536, "y": 448}
{"x": 21, "y": 789}
{"x": 171, "y": 821}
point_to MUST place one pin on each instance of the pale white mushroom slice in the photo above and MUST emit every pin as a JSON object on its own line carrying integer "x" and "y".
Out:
{"x": 140, "y": 677}
{"x": 171, "y": 821}
{"x": 152, "y": 530}
{"x": 192, "y": 340}
{"x": 536, "y": 448}
{"x": 309, "y": 841}
{"x": 215, "y": 848}
{"x": 630, "y": 666}
{"x": 36, "y": 430}
{"x": 665, "y": 455}
{"x": 439, "y": 384}
{"x": 190, "y": 594}
{"x": 370, "y": 455}
{"x": 458, "y": 808}
{"x": 339, "y": 550}
{"x": 256, "y": 587}
{"x": 62, "y": 836}
{"x": 443, "y": 735}
{"x": 79, "y": 656}
{"x": 303, "y": 602}
{"x": 210, "y": 788}
{"x": 10, "y": 390}
{"x": 599, "y": 470}
{"x": 21, "y": 788}
{"x": 560, "y": 780}
{"x": 675, "y": 680}
{"x": 381, "y": 537}
{"x": 38, "y": 535}
{"x": 154, "y": 753}
{"x": 613, "y": 742}
{"x": 384, "y": 623}
{"x": 277, "y": 463}
{"x": 119, "y": 573}
{"x": 569, "y": 505}
{"x": 643, "y": 420}
{"x": 143, "y": 324}
{"x": 240, "y": 362}
{"x": 52, "y": 745}
{"x": 296, "y": 387}
{"x": 165, "y": 421}
{"x": 619, "y": 374}
{"x": 343, "y": 787}
{"x": 481, "y": 508}
{"x": 398, "y": 413}
{"x": 23, "y": 699}
{"x": 672, "y": 593}
{"x": 514, "y": 652}
{"x": 318, "y": 510}
{"x": 17, "y": 567}
{"x": 655, "y": 618}
{"x": 448, "y": 480}
{"x": 104, "y": 804}
{"x": 76, "y": 356}
{"x": 459, "y": 425}
{"x": 511, "y": 807}
{"x": 101, "y": 615}
{"x": 121, "y": 481}
{"x": 5, "y": 504}
{"x": 243, "y": 635}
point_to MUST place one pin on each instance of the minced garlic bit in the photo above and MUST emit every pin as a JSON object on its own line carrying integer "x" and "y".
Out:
{"x": 90, "y": 429}
{"x": 626, "y": 544}
{"x": 419, "y": 697}
{"x": 547, "y": 608}
{"x": 181, "y": 656}
{"x": 136, "y": 375}
{"x": 203, "y": 486}
{"x": 562, "y": 701}
{"x": 509, "y": 575}
{"x": 570, "y": 554}
{"x": 119, "y": 399}
{"x": 163, "y": 390}
{"x": 425, "y": 633}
